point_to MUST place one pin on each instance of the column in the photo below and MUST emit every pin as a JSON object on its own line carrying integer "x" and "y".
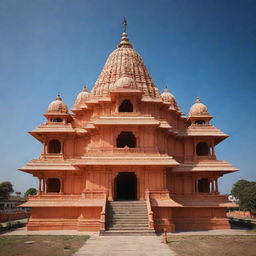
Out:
{"x": 212, "y": 186}
{"x": 44, "y": 185}
{"x": 39, "y": 186}
{"x": 62, "y": 147}
{"x": 216, "y": 186}
{"x": 213, "y": 152}
{"x": 194, "y": 153}
{"x": 61, "y": 186}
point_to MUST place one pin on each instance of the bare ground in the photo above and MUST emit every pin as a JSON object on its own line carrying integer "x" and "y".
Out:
{"x": 41, "y": 245}
{"x": 221, "y": 245}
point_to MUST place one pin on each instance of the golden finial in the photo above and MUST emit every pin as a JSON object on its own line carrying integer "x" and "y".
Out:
{"x": 58, "y": 96}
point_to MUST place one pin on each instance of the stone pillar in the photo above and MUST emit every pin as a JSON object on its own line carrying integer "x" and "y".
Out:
{"x": 61, "y": 186}
{"x": 194, "y": 152}
{"x": 62, "y": 147}
{"x": 212, "y": 186}
{"x": 216, "y": 186}
{"x": 44, "y": 185}
{"x": 212, "y": 146}
{"x": 39, "y": 186}
{"x": 193, "y": 186}
{"x": 164, "y": 178}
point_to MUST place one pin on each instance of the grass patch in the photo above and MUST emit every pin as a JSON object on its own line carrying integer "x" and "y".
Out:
{"x": 41, "y": 245}
{"x": 213, "y": 245}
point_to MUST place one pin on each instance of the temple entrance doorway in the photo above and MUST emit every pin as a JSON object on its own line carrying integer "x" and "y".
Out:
{"x": 126, "y": 186}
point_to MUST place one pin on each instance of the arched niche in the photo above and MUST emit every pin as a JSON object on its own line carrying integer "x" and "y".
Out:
{"x": 202, "y": 149}
{"x": 54, "y": 146}
{"x": 126, "y": 139}
{"x": 125, "y": 106}
{"x": 53, "y": 185}
{"x": 204, "y": 185}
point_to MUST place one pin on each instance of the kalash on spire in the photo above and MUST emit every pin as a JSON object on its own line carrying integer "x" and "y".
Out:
{"x": 126, "y": 150}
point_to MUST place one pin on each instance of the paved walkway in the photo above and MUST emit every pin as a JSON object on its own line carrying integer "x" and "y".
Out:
{"x": 124, "y": 246}
{"x": 24, "y": 231}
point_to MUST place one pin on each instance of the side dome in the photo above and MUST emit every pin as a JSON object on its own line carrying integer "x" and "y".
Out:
{"x": 198, "y": 109}
{"x": 83, "y": 96}
{"x": 168, "y": 97}
{"x": 125, "y": 82}
{"x": 57, "y": 106}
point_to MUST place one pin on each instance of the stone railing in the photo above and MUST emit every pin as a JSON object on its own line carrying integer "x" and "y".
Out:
{"x": 127, "y": 150}
{"x": 161, "y": 194}
{"x": 93, "y": 194}
{"x": 200, "y": 197}
{"x": 103, "y": 214}
{"x": 53, "y": 196}
{"x": 149, "y": 210}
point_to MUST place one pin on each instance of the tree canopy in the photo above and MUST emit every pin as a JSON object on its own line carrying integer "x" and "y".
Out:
{"x": 6, "y": 189}
{"x": 30, "y": 191}
{"x": 245, "y": 192}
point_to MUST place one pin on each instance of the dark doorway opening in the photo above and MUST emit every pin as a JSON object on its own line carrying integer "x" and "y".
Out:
{"x": 126, "y": 139}
{"x": 202, "y": 149}
{"x": 54, "y": 146}
{"x": 126, "y": 106}
{"x": 204, "y": 186}
{"x": 126, "y": 186}
{"x": 53, "y": 185}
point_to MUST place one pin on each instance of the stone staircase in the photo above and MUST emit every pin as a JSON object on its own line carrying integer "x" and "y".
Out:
{"x": 127, "y": 218}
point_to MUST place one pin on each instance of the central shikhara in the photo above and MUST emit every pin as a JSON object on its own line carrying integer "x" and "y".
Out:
{"x": 127, "y": 149}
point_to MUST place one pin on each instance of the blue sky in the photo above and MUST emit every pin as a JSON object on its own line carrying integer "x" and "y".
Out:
{"x": 198, "y": 48}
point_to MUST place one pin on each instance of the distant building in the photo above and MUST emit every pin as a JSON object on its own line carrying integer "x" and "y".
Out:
{"x": 10, "y": 210}
{"x": 127, "y": 150}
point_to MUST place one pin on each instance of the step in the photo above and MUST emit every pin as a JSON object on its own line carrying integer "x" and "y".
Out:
{"x": 127, "y": 212}
{"x": 127, "y": 228}
{"x": 127, "y": 233}
{"x": 115, "y": 224}
{"x": 128, "y": 223}
{"x": 128, "y": 220}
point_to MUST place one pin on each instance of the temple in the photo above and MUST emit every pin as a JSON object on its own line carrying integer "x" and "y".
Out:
{"x": 127, "y": 158}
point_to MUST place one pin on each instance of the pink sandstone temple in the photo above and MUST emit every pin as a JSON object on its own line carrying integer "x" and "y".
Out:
{"x": 127, "y": 159}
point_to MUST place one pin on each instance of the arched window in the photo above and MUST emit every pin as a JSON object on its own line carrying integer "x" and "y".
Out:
{"x": 126, "y": 106}
{"x": 57, "y": 120}
{"x": 53, "y": 185}
{"x": 200, "y": 122}
{"x": 202, "y": 149}
{"x": 54, "y": 146}
{"x": 203, "y": 186}
{"x": 126, "y": 139}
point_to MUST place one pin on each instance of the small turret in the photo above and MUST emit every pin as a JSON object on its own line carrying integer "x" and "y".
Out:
{"x": 199, "y": 114}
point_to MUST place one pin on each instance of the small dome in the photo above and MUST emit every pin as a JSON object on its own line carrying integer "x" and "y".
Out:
{"x": 57, "y": 106}
{"x": 198, "y": 109}
{"x": 82, "y": 96}
{"x": 125, "y": 82}
{"x": 168, "y": 97}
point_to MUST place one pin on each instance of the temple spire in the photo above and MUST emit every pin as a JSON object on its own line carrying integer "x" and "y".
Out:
{"x": 125, "y": 24}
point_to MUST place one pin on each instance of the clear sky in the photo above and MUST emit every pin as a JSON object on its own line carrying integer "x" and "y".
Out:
{"x": 202, "y": 48}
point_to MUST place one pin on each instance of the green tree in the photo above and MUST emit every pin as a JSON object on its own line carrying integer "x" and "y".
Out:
{"x": 245, "y": 192}
{"x": 30, "y": 191}
{"x": 6, "y": 189}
